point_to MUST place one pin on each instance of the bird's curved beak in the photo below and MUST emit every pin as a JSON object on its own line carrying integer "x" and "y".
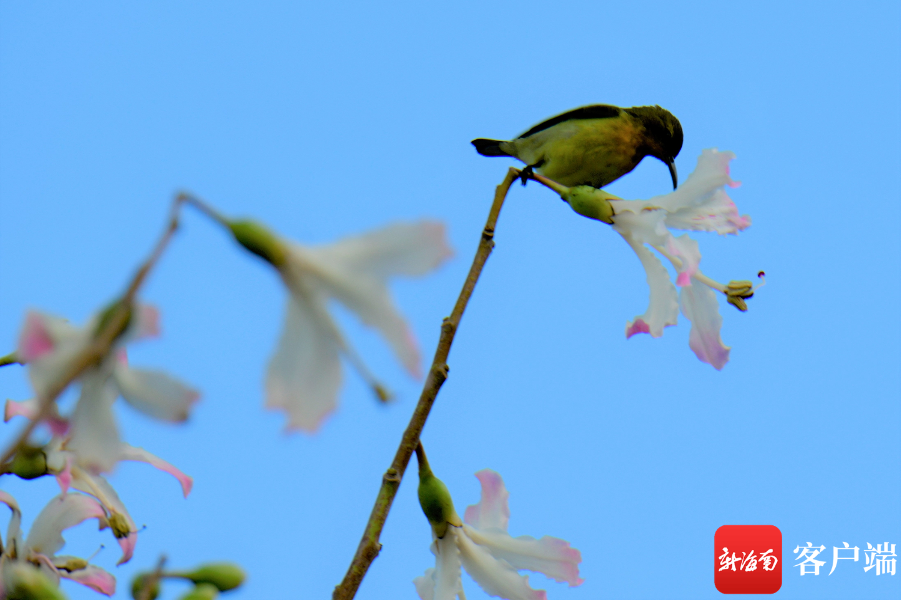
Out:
{"x": 672, "y": 171}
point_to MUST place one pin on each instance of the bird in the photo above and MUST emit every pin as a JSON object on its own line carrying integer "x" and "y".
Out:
{"x": 593, "y": 145}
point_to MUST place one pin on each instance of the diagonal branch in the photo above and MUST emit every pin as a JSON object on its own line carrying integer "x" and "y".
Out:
{"x": 112, "y": 326}
{"x": 369, "y": 546}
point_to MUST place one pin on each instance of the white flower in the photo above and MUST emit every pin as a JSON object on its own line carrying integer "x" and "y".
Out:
{"x": 699, "y": 204}
{"x": 45, "y": 540}
{"x": 304, "y": 374}
{"x": 70, "y": 472}
{"x": 491, "y": 556}
{"x": 47, "y": 344}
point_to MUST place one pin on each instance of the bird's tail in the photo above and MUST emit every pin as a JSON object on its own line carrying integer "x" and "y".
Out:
{"x": 489, "y": 147}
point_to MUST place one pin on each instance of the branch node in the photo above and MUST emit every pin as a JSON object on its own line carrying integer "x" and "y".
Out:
{"x": 441, "y": 372}
{"x": 448, "y": 327}
{"x": 372, "y": 550}
{"x": 391, "y": 476}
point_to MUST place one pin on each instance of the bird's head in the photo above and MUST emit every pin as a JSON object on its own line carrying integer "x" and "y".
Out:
{"x": 663, "y": 135}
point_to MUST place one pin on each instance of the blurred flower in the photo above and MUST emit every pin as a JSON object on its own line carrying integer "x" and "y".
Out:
{"x": 56, "y": 460}
{"x": 699, "y": 204}
{"x": 47, "y": 345}
{"x": 304, "y": 374}
{"x": 118, "y": 518}
{"x": 483, "y": 547}
{"x": 45, "y": 540}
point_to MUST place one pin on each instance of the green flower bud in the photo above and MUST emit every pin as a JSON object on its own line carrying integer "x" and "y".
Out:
{"x": 28, "y": 463}
{"x": 590, "y": 202}
{"x": 25, "y": 582}
{"x": 257, "y": 238}
{"x": 10, "y": 359}
{"x": 435, "y": 499}
{"x": 222, "y": 575}
{"x": 204, "y": 591}
{"x": 139, "y": 583}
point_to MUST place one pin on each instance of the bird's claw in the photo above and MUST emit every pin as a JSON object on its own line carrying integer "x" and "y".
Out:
{"x": 526, "y": 174}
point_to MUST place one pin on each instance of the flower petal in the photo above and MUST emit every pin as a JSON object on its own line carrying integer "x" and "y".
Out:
{"x": 146, "y": 321}
{"x": 362, "y": 293}
{"x": 67, "y": 341}
{"x": 355, "y": 271}
{"x": 155, "y": 393}
{"x": 443, "y": 582}
{"x": 64, "y": 511}
{"x": 711, "y": 173}
{"x": 25, "y": 408}
{"x": 64, "y": 477}
{"x": 492, "y": 511}
{"x": 549, "y": 555}
{"x": 59, "y": 462}
{"x": 663, "y": 309}
{"x": 494, "y": 576}
{"x": 15, "y": 522}
{"x": 127, "y": 544}
{"x": 93, "y": 577}
{"x": 410, "y": 249}
{"x": 98, "y": 487}
{"x": 29, "y": 409}
{"x": 95, "y": 437}
{"x": 686, "y": 249}
{"x": 425, "y": 585}
{"x": 304, "y": 374}
{"x": 700, "y": 203}
{"x": 35, "y": 340}
{"x": 139, "y": 454}
{"x": 699, "y": 305}
{"x": 718, "y": 214}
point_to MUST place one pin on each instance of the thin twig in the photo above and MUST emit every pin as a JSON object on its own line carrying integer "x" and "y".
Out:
{"x": 369, "y": 546}
{"x": 203, "y": 207}
{"x": 549, "y": 183}
{"x": 102, "y": 342}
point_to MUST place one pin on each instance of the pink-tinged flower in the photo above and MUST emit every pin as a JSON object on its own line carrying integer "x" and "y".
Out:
{"x": 304, "y": 374}
{"x": 490, "y": 555}
{"x": 64, "y": 465}
{"x": 69, "y": 473}
{"x": 45, "y": 539}
{"x": 48, "y": 344}
{"x": 699, "y": 204}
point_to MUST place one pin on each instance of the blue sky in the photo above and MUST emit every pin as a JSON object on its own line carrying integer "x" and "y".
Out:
{"x": 328, "y": 120}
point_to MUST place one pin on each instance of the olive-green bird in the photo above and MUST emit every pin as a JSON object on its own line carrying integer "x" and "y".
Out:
{"x": 594, "y": 145}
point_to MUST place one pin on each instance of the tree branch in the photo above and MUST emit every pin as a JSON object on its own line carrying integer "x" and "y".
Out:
{"x": 369, "y": 546}
{"x": 109, "y": 330}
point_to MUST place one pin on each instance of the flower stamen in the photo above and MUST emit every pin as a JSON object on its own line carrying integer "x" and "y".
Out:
{"x": 739, "y": 291}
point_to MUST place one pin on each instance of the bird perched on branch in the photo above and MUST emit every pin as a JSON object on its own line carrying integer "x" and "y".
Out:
{"x": 593, "y": 145}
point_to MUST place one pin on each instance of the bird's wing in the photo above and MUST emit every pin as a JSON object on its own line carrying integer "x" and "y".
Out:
{"x": 593, "y": 111}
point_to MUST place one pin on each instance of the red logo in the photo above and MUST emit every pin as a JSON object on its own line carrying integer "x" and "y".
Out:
{"x": 747, "y": 559}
